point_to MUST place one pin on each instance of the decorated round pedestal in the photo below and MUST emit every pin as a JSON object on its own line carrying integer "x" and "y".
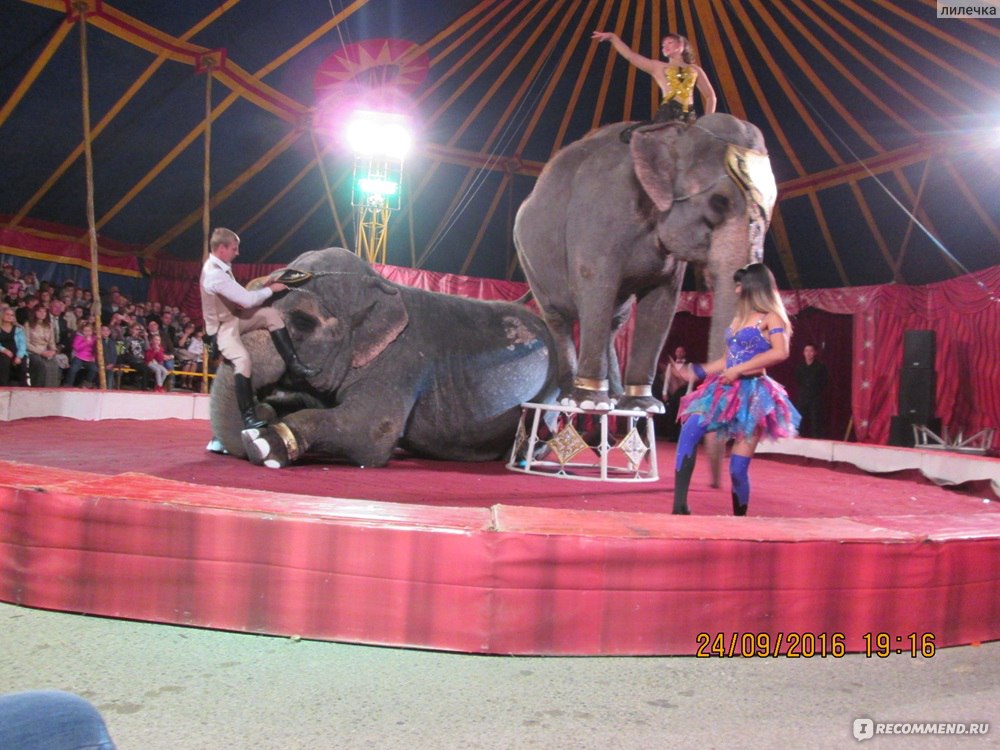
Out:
{"x": 567, "y": 442}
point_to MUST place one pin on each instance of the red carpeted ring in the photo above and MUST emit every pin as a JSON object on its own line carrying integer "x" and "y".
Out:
{"x": 500, "y": 578}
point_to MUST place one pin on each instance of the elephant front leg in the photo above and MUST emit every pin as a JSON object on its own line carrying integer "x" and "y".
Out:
{"x": 591, "y": 384}
{"x": 274, "y": 446}
{"x": 364, "y": 435}
{"x": 653, "y": 315}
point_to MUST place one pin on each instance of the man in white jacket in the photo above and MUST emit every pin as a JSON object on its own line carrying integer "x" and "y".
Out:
{"x": 231, "y": 310}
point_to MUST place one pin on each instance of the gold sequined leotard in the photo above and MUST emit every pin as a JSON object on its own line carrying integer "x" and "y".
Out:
{"x": 678, "y": 100}
{"x": 680, "y": 86}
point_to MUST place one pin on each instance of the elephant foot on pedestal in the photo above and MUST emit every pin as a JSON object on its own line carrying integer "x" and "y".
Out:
{"x": 265, "y": 447}
{"x": 648, "y": 404}
{"x": 641, "y": 398}
{"x": 588, "y": 400}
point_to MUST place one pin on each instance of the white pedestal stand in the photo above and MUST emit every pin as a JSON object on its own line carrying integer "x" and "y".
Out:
{"x": 567, "y": 454}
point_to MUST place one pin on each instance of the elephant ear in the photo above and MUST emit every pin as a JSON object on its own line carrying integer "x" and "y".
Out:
{"x": 655, "y": 162}
{"x": 381, "y": 318}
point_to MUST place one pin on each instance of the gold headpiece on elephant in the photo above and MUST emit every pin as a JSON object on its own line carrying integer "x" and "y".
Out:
{"x": 286, "y": 276}
{"x": 751, "y": 170}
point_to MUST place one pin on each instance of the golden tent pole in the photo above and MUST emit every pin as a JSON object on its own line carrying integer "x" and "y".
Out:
{"x": 207, "y": 63}
{"x": 82, "y": 7}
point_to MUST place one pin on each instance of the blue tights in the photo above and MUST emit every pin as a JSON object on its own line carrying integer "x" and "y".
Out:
{"x": 692, "y": 432}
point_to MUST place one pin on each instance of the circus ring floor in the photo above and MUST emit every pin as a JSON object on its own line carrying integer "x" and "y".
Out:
{"x": 110, "y": 506}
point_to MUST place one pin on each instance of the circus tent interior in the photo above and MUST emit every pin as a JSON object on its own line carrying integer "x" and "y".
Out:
{"x": 128, "y": 128}
{"x": 881, "y": 121}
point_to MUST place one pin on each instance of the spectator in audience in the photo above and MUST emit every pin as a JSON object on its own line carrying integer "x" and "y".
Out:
{"x": 115, "y": 304}
{"x": 196, "y": 354}
{"x": 154, "y": 329}
{"x": 70, "y": 308}
{"x": 168, "y": 327}
{"x": 12, "y": 290}
{"x": 13, "y": 349}
{"x": 118, "y": 326}
{"x": 44, "y": 369}
{"x": 84, "y": 349}
{"x": 155, "y": 360}
{"x": 69, "y": 318}
{"x": 110, "y": 348}
{"x": 185, "y": 358}
{"x": 154, "y": 312}
{"x": 61, "y": 329}
{"x": 812, "y": 378}
{"x": 82, "y": 314}
{"x": 30, "y": 282}
{"x": 24, "y": 313}
{"x": 134, "y": 355}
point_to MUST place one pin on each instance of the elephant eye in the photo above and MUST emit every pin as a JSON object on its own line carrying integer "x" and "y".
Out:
{"x": 302, "y": 322}
{"x": 720, "y": 203}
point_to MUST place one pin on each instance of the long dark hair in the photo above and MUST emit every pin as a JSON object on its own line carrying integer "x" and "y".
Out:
{"x": 33, "y": 321}
{"x": 686, "y": 55}
{"x": 759, "y": 294}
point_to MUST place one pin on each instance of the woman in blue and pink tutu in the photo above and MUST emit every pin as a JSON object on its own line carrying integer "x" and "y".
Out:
{"x": 738, "y": 400}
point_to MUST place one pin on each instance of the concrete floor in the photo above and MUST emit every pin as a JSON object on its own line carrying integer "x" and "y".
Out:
{"x": 162, "y": 687}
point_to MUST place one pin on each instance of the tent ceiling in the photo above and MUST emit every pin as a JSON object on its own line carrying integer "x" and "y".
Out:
{"x": 883, "y": 121}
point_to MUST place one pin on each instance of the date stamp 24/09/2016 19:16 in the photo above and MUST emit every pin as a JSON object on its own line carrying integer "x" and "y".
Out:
{"x": 794, "y": 645}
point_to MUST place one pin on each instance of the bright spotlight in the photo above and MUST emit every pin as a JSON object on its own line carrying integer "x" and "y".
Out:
{"x": 371, "y": 186}
{"x": 378, "y": 134}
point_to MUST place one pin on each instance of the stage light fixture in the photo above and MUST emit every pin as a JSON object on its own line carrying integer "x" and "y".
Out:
{"x": 378, "y": 134}
{"x": 371, "y": 186}
{"x": 379, "y": 141}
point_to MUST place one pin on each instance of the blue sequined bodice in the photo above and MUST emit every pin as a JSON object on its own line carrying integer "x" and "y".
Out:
{"x": 744, "y": 345}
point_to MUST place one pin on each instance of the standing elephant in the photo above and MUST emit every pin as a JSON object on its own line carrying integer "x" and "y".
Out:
{"x": 608, "y": 221}
{"x": 438, "y": 375}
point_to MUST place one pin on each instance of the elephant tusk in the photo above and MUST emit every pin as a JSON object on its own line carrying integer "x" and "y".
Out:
{"x": 288, "y": 438}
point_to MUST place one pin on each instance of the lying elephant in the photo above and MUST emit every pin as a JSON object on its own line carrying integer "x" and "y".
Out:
{"x": 437, "y": 375}
{"x": 609, "y": 221}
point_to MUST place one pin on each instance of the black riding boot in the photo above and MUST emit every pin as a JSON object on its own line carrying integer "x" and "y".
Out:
{"x": 246, "y": 402}
{"x": 682, "y": 480}
{"x": 283, "y": 343}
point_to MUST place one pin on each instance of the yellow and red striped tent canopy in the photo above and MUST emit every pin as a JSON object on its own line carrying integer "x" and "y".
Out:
{"x": 882, "y": 120}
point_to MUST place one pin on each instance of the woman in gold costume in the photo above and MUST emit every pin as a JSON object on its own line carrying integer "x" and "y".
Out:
{"x": 677, "y": 76}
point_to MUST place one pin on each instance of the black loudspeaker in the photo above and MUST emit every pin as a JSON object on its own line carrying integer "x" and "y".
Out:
{"x": 901, "y": 431}
{"x": 918, "y": 349}
{"x": 916, "y": 394}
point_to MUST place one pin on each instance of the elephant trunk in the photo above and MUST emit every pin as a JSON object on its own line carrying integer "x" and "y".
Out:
{"x": 730, "y": 251}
